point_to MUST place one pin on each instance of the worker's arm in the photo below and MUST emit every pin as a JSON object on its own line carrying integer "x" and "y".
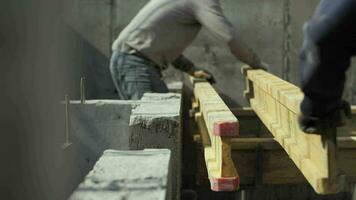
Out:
{"x": 329, "y": 43}
{"x": 184, "y": 64}
{"x": 210, "y": 15}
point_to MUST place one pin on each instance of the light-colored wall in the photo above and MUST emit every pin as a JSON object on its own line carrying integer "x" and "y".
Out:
{"x": 271, "y": 27}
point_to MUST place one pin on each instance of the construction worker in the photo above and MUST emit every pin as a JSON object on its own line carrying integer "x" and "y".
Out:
{"x": 157, "y": 36}
{"x": 329, "y": 44}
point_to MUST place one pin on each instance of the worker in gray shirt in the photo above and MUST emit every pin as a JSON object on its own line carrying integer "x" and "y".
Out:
{"x": 157, "y": 36}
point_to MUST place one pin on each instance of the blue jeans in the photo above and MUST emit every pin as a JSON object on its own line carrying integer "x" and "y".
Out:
{"x": 133, "y": 76}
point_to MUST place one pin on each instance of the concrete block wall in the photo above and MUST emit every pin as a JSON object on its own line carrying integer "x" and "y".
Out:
{"x": 152, "y": 122}
{"x": 128, "y": 175}
{"x": 156, "y": 123}
{"x": 96, "y": 126}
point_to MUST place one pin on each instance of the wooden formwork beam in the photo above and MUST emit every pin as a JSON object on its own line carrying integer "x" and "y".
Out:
{"x": 276, "y": 166}
{"x": 276, "y": 102}
{"x": 217, "y": 125}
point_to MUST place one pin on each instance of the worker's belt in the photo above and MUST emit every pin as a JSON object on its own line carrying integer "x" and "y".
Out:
{"x": 147, "y": 61}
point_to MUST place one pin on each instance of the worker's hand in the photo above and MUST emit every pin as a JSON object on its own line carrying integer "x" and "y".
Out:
{"x": 315, "y": 125}
{"x": 308, "y": 124}
{"x": 264, "y": 66}
{"x": 203, "y": 74}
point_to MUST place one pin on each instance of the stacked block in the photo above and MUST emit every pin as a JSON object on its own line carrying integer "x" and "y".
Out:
{"x": 126, "y": 175}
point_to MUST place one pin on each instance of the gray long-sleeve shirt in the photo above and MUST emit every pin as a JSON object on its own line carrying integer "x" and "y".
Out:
{"x": 164, "y": 28}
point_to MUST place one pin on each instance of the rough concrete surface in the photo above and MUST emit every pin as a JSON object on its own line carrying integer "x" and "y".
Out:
{"x": 101, "y": 124}
{"x": 152, "y": 122}
{"x": 156, "y": 123}
{"x": 96, "y": 126}
{"x": 127, "y": 175}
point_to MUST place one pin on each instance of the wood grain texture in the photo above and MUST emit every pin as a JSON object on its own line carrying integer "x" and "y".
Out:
{"x": 216, "y": 126}
{"x": 277, "y": 167}
{"x": 276, "y": 102}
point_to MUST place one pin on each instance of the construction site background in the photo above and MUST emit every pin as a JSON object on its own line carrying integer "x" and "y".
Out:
{"x": 46, "y": 46}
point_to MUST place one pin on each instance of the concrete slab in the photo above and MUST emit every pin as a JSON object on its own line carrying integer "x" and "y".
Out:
{"x": 127, "y": 175}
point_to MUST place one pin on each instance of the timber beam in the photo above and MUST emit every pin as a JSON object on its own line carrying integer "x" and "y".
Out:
{"x": 276, "y": 166}
{"x": 276, "y": 102}
{"x": 217, "y": 125}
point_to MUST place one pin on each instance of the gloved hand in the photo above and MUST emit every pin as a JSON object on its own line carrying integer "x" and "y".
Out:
{"x": 201, "y": 73}
{"x": 264, "y": 66}
{"x": 261, "y": 65}
{"x": 334, "y": 119}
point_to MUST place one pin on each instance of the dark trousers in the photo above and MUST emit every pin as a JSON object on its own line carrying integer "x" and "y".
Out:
{"x": 329, "y": 44}
{"x": 133, "y": 76}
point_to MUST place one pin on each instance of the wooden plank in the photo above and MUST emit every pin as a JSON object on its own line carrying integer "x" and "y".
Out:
{"x": 243, "y": 112}
{"x": 277, "y": 167}
{"x": 217, "y": 125}
{"x": 276, "y": 102}
{"x": 250, "y": 124}
{"x": 269, "y": 143}
{"x": 218, "y": 117}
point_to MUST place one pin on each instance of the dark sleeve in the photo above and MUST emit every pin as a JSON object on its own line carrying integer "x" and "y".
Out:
{"x": 182, "y": 63}
{"x": 329, "y": 43}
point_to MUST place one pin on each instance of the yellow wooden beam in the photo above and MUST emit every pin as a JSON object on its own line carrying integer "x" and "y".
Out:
{"x": 217, "y": 125}
{"x": 277, "y": 167}
{"x": 276, "y": 102}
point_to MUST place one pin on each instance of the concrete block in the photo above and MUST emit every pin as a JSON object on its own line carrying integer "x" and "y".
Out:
{"x": 175, "y": 87}
{"x": 96, "y": 126}
{"x": 101, "y": 124}
{"x": 152, "y": 122}
{"x": 128, "y": 175}
{"x": 156, "y": 123}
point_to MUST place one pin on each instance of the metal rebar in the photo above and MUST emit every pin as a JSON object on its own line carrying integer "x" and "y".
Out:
{"x": 67, "y": 123}
{"x": 243, "y": 195}
{"x": 82, "y": 90}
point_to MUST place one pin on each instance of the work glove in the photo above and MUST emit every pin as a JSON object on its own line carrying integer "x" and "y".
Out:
{"x": 203, "y": 74}
{"x": 256, "y": 63}
{"x": 262, "y": 65}
{"x": 314, "y": 125}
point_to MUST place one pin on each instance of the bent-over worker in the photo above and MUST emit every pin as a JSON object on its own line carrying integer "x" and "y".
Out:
{"x": 157, "y": 36}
